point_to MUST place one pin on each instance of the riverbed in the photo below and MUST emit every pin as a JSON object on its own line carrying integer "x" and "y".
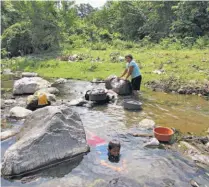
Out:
{"x": 145, "y": 166}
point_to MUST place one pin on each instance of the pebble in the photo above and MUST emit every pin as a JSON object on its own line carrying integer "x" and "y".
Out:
{"x": 193, "y": 183}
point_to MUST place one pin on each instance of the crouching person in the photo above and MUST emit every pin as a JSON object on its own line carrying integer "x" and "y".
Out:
{"x": 37, "y": 101}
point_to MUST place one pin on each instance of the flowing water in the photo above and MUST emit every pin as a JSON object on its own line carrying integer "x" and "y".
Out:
{"x": 145, "y": 167}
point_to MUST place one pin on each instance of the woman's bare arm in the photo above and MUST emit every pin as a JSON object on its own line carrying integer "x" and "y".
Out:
{"x": 124, "y": 73}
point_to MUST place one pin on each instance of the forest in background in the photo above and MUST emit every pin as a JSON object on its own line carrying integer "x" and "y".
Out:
{"x": 35, "y": 26}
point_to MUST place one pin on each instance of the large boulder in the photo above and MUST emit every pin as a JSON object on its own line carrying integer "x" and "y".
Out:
{"x": 19, "y": 112}
{"x": 120, "y": 86}
{"x": 29, "y": 74}
{"x": 50, "y": 135}
{"x": 29, "y": 85}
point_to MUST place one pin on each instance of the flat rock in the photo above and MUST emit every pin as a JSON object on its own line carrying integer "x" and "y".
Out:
{"x": 146, "y": 123}
{"x": 59, "y": 81}
{"x": 77, "y": 102}
{"x": 19, "y": 112}
{"x": 29, "y": 74}
{"x": 152, "y": 142}
{"x": 51, "y": 90}
{"x": 9, "y": 133}
{"x": 29, "y": 85}
{"x": 50, "y": 135}
{"x": 9, "y": 102}
{"x": 194, "y": 153}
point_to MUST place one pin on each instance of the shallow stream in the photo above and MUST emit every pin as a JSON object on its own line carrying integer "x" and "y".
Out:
{"x": 145, "y": 167}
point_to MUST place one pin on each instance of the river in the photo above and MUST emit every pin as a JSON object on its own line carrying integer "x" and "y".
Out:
{"x": 146, "y": 167}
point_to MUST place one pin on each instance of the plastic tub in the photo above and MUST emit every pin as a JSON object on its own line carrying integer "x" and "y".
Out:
{"x": 163, "y": 134}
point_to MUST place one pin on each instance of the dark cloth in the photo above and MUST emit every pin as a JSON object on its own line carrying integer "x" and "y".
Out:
{"x": 34, "y": 105}
{"x": 136, "y": 82}
{"x": 98, "y": 102}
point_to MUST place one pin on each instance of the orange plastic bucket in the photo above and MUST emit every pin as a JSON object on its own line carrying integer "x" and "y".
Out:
{"x": 163, "y": 134}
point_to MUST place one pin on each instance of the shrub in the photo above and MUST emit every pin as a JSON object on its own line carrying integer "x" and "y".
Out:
{"x": 17, "y": 38}
{"x": 202, "y": 42}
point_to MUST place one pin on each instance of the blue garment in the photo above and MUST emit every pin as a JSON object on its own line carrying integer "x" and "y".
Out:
{"x": 136, "y": 72}
{"x": 102, "y": 151}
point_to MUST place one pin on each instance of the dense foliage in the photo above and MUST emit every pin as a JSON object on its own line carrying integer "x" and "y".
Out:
{"x": 34, "y": 26}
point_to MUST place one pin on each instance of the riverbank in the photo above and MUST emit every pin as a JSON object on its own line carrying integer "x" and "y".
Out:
{"x": 185, "y": 71}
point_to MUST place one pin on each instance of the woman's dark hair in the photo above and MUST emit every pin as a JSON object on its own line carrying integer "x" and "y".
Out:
{"x": 114, "y": 143}
{"x": 130, "y": 56}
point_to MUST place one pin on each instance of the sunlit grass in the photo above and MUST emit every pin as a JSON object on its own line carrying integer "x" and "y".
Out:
{"x": 186, "y": 65}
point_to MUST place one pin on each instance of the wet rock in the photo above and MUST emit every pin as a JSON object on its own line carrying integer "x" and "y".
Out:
{"x": 194, "y": 153}
{"x": 77, "y": 102}
{"x": 147, "y": 124}
{"x": 29, "y": 85}
{"x": 50, "y": 90}
{"x": 194, "y": 183}
{"x": 19, "y": 112}
{"x": 9, "y": 133}
{"x": 59, "y": 81}
{"x": 120, "y": 86}
{"x": 9, "y": 102}
{"x": 29, "y": 74}
{"x": 117, "y": 182}
{"x": 51, "y": 97}
{"x": 58, "y": 136}
{"x": 152, "y": 143}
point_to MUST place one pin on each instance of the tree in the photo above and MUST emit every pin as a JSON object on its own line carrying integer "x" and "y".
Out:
{"x": 192, "y": 19}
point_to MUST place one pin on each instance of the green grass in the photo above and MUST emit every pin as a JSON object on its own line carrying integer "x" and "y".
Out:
{"x": 184, "y": 65}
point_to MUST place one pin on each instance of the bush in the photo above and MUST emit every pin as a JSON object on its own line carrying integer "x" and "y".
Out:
{"x": 105, "y": 35}
{"x": 17, "y": 38}
{"x": 188, "y": 42}
{"x": 202, "y": 42}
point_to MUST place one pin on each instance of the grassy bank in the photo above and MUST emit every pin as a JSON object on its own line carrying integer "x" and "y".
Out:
{"x": 179, "y": 65}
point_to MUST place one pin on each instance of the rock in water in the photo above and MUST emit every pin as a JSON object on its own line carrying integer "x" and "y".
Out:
{"x": 19, "y": 112}
{"x": 147, "y": 124}
{"x": 120, "y": 86}
{"x": 29, "y": 85}
{"x": 50, "y": 135}
{"x": 29, "y": 74}
{"x": 153, "y": 142}
{"x": 59, "y": 81}
{"x": 51, "y": 90}
{"x": 9, "y": 102}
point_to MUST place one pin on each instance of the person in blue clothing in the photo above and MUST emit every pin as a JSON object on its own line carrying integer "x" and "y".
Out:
{"x": 132, "y": 69}
{"x": 111, "y": 154}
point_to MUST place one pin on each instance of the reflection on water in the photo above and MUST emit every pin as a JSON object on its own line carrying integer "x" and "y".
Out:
{"x": 145, "y": 167}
